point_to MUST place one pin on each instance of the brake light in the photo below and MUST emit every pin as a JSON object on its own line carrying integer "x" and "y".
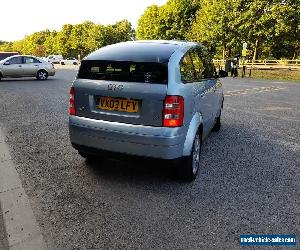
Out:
{"x": 72, "y": 109}
{"x": 173, "y": 111}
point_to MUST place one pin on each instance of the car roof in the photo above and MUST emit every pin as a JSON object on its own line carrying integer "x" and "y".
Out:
{"x": 7, "y": 58}
{"x": 158, "y": 51}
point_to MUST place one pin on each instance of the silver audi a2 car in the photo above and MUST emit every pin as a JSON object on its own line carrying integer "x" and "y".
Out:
{"x": 155, "y": 99}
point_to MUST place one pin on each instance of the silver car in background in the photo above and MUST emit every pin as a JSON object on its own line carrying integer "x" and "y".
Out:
{"x": 156, "y": 99}
{"x": 69, "y": 61}
{"x": 26, "y": 66}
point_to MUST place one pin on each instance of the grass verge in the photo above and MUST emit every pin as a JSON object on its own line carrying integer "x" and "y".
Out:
{"x": 280, "y": 74}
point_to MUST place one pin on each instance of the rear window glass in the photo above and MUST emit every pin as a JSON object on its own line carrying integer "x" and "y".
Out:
{"x": 146, "y": 72}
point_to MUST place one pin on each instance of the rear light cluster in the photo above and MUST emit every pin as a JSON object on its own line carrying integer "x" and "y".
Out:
{"x": 173, "y": 111}
{"x": 72, "y": 109}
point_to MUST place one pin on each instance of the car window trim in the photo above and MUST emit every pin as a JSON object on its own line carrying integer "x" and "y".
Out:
{"x": 15, "y": 63}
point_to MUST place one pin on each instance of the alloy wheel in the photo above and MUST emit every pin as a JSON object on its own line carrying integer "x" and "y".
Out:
{"x": 196, "y": 154}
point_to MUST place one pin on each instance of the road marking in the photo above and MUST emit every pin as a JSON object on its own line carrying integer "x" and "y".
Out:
{"x": 277, "y": 117}
{"x": 275, "y": 108}
{"x": 21, "y": 227}
{"x": 252, "y": 91}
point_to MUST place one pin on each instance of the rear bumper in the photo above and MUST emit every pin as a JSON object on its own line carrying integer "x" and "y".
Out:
{"x": 51, "y": 72}
{"x": 138, "y": 140}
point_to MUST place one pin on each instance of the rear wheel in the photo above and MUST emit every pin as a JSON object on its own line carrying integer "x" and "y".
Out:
{"x": 42, "y": 75}
{"x": 190, "y": 165}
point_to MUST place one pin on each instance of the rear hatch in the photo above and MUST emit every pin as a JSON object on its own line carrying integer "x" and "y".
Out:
{"x": 121, "y": 91}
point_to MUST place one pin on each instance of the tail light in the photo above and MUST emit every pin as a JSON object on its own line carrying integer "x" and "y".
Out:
{"x": 72, "y": 109}
{"x": 173, "y": 112}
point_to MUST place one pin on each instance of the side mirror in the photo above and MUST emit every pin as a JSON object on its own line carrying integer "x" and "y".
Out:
{"x": 6, "y": 63}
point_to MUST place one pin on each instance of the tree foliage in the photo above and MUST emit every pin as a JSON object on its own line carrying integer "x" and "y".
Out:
{"x": 170, "y": 21}
{"x": 215, "y": 26}
{"x": 73, "y": 40}
{"x": 270, "y": 27}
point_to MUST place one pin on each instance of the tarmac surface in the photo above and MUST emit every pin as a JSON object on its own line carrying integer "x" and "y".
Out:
{"x": 3, "y": 236}
{"x": 248, "y": 182}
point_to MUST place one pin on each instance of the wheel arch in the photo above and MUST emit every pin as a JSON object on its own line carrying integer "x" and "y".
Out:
{"x": 196, "y": 125}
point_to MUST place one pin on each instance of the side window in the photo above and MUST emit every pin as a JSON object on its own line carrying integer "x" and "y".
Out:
{"x": 208, "y": 71}
{"x": 36, "y": 60}
{"x": 199, "y": 65}
{"x": 15, "y": 60}
{"x": 187, "y": 70}
{"x": 28, "y": 60}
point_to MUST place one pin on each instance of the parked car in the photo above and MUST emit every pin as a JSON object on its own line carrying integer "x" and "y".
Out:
{"x": 4, "y": 55}
{"x": 69, "y": 61}
{"x": 156, "y": 99}
{"x": 23, "y": 66}
{"x": 54, "y": 58}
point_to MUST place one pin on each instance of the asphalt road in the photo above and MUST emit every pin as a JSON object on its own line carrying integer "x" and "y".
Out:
{"x": 248, "y": 183}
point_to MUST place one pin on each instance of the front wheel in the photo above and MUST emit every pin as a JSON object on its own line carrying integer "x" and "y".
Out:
{"x": 42, "y": 75}
{"x": 190, "y": 165}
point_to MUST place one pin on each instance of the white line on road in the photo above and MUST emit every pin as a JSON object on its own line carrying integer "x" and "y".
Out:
{"x": 252, "y": 91}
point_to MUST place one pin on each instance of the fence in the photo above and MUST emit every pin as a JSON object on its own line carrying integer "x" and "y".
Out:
{"x": 266, "y": 64}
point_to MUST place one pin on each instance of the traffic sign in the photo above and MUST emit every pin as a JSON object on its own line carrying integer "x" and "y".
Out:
{"x": 244, "y": 52}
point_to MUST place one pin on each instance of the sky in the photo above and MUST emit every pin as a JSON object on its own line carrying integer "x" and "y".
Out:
{"x": 23, "y": 17}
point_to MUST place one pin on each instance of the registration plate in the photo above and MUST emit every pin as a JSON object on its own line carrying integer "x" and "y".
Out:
{"x": 118, "y": 104}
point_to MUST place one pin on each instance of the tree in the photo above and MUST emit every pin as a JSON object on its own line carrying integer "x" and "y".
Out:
{"x": 215, "y": 27}
{"x": 286, "y": 41}
{"x": 149, "y": 24}
{"x": 176, "y": 18}
{"x": 6, "y": 46}
{"x": 270, "y": 27}
{"x": 169, "y": 21}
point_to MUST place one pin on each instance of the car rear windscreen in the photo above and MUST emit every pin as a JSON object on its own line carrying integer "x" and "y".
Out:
{"x": 145, "y": 72}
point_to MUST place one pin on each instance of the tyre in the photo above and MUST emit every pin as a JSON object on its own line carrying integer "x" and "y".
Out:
{"x": 42, "y": 75}
{"x": 87, "y": 156}
{"x": 62, "y": 63}
{"x": 217, "y": 125}
{"x": 189, "y": 166}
